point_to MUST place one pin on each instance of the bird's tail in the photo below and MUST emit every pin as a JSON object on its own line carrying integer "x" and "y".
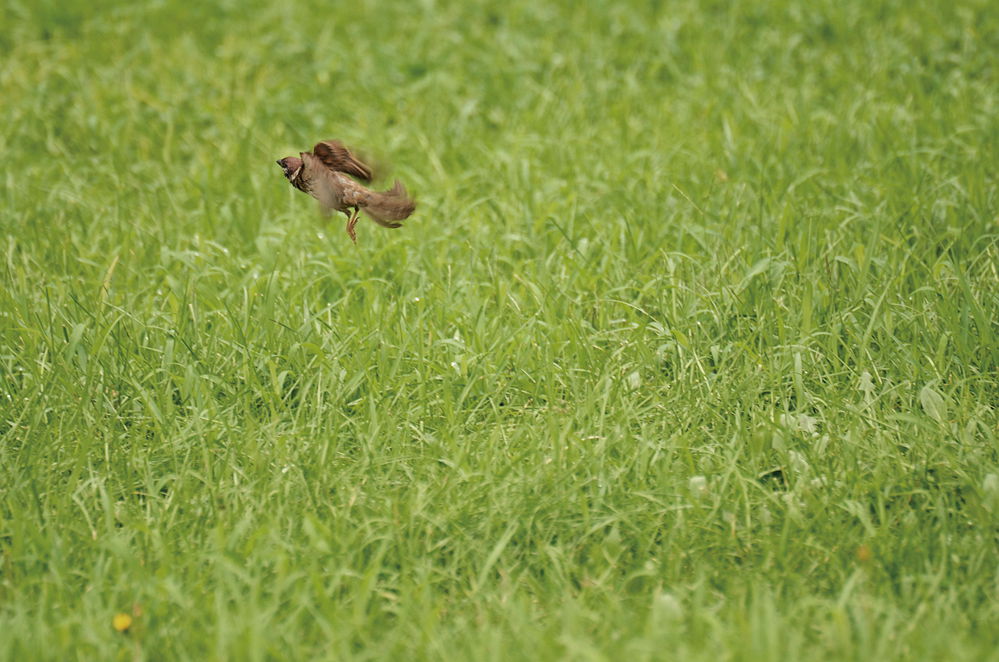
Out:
{"x": 387, "y": 208}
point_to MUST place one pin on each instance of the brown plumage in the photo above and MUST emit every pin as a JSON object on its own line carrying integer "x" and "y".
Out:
{"x": 322, "y": 173}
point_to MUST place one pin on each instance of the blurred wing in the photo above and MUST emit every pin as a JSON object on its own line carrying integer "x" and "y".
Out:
{"x": 336, "y": 157}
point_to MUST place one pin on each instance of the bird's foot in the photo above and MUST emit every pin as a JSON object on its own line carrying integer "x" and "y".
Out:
{"x": 351, "y": 222}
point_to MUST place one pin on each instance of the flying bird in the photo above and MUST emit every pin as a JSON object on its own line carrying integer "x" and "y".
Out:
{"x": 323, "y": 174}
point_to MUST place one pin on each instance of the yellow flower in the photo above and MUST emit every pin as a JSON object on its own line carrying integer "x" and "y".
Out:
{"x": 121, "y": 622}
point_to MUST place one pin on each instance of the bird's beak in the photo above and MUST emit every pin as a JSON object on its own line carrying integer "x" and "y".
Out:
{"x": 279, "y": 163}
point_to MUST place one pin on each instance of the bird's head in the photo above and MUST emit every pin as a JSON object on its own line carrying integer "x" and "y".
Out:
{"x": 291, "y": 165}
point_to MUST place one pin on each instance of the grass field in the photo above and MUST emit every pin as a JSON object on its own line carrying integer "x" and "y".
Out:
{"x": 689, "y": 352}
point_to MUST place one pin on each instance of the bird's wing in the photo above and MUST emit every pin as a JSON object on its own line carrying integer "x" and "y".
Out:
{"x": 337, "y": 157}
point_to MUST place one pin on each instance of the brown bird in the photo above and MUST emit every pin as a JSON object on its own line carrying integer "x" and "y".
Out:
{"x": 322, "y": 173}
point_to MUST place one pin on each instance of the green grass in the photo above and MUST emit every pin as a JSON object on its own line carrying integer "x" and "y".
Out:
{"x": 690, "y": 351}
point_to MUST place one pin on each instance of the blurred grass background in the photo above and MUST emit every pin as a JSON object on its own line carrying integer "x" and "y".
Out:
{"x": 689, "y": 350}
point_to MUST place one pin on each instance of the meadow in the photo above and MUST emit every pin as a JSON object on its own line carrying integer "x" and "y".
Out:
{"x": 688, "y": 352}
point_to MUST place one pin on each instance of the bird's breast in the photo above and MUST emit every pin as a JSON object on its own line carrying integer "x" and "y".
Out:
{"x": 301, "y": 183}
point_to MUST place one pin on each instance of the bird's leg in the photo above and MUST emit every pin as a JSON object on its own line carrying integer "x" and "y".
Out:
{"x": 351, "y": 222}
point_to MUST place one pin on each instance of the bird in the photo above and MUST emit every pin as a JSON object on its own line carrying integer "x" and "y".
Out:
{"x": 323, "y": 174}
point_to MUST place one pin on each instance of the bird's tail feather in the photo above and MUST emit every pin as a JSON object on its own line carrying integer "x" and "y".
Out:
{"x": 389, "y": 207}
